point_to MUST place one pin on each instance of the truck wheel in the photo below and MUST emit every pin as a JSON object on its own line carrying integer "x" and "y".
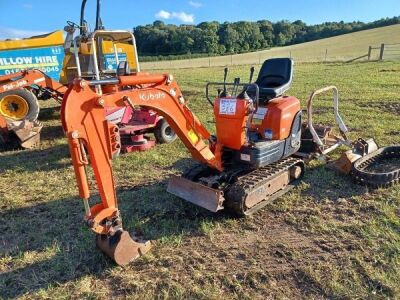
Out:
{"x": 19, "y": 105}
{"x": 164, "y": 133}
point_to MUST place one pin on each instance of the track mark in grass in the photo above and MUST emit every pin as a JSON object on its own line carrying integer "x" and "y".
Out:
{"x": 390, "y": 107}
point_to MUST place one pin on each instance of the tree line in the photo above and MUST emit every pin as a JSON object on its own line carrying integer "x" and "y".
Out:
{"x": 214, "y": 38}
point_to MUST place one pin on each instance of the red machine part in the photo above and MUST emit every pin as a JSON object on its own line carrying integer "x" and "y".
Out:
{"x": 133, "y": 124}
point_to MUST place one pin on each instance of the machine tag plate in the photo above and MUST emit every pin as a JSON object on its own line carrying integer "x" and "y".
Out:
{"x": 260, "y": 113}
{"x": 245, "y": 157}
{"x": 227, "y": 107}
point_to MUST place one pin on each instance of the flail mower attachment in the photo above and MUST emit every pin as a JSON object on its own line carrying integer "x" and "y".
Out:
{"x": 364, "y": 161}
{"x": 317, "y": 140}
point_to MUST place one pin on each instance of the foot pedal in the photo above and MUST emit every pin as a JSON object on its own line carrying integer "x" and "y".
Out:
{"x": 121, "y": 247}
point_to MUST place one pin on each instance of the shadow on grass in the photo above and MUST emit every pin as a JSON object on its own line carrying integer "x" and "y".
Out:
{"x": 50, "y": 113}
{"x": 50, "y": 133}
{"x": 35, "y": 160}
{"x": 47, "y": 244}
{"x": 325, "y": 183}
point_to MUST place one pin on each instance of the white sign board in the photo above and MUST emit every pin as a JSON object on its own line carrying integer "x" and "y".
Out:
{"x": 227, "y": 107}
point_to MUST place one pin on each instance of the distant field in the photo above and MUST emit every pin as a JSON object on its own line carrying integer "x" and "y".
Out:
{"x": 326, "y": 239}
{"x": 340, "y": 48}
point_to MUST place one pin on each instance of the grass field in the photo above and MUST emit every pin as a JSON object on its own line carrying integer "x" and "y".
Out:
{"x": 328, "y": 238}
{"x": 340, "y": 48}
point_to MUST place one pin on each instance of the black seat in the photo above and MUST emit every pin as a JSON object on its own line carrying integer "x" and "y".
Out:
{"x": 275, "y": 77}
{"x": 123, "y": 69}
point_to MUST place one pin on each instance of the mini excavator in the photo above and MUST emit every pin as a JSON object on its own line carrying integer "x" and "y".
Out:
{"x": 245, "y": 165}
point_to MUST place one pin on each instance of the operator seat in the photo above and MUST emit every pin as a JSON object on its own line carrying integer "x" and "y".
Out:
{"x": 275, "y": 78}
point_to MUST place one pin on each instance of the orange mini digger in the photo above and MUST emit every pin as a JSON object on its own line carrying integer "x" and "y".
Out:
{"x": 245, "y": 165}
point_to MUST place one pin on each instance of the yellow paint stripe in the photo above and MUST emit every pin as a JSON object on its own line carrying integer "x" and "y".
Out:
{"x": 29, "y": 66}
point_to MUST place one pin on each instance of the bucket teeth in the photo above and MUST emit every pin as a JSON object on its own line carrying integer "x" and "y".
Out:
{"x": 121, "y": 247}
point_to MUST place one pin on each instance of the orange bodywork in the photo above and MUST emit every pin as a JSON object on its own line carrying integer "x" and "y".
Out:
{"x": 83, "y": 118}
{"x": 231, "y": 116}
{"x": 279, "y": 119}
{"x": 30, "y": 77}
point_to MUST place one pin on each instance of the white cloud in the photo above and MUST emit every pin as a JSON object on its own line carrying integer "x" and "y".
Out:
{"x": 195, "y": 4}
{"x": 13, "y": 33}
{"x": 162, "y": 14}
{"x": 184, "y": 17}
{"x": 181, "y": 16}
{"x": 27, "y": 6}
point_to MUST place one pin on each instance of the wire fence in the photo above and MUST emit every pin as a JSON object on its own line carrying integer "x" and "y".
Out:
{"x": 299, "y": 53}
{"x": 391, "y": 52}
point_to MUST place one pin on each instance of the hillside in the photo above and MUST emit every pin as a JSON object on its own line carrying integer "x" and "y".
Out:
{"x": 339, "y": 48}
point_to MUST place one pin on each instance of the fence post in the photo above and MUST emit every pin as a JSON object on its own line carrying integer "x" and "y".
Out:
{"x": 381, "y": 55}
{"x": 231, "y": 59}
{"x": 369, "y": 52}
{"x": 326, "y": 54}
{"x": 209, "y": 62}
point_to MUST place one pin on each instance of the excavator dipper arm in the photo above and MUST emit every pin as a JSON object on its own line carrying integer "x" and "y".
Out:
{"x": 91, "y": 135}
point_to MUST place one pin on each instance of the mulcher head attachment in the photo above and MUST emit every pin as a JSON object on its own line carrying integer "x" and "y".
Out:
{"x": 121, "y": 247}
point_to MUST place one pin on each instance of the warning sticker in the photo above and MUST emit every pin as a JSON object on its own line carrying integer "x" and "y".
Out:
{"x": 193, "y": 137}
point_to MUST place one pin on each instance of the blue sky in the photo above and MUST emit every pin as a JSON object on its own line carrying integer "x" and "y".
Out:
{"x": 21, "y": 18}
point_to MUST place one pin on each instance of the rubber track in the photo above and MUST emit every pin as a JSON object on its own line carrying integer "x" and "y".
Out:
{"x": 381, "y": 179}
{"x": 236, "y": 193}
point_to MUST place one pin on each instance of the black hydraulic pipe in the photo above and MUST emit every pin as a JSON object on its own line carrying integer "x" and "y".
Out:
{"x": 98, "y": 20}
{"x": 82, "y": 16}
{"x": 104, "y": 81}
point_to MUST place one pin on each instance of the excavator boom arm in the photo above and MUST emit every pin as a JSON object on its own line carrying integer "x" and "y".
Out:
{"x": 83, "y": 117}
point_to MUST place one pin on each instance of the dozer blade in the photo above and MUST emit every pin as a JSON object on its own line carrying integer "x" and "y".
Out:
{"x": 196, "y": 193}
{"x": 121, "y": 247}
{"x": 29, "y": 134}
{"x": 29, "y": 141}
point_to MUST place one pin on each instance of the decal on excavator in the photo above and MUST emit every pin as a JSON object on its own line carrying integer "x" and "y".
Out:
{"x": 193, "y": 137}
{"x": 152, "y": 96}
{"x": 12, "y": 86}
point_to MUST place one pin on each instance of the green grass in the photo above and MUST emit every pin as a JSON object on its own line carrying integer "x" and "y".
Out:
{"x": 329, "y": 238}
{"x": 340, "y": 48}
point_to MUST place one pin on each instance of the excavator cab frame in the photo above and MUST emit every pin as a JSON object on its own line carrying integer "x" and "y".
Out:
{"x": 90, "y": 49}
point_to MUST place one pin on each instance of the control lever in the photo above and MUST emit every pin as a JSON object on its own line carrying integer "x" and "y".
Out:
{"x": 224, "y": 92}
{"x": 251, "y": 74}
{"x": 236, "y": 83}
